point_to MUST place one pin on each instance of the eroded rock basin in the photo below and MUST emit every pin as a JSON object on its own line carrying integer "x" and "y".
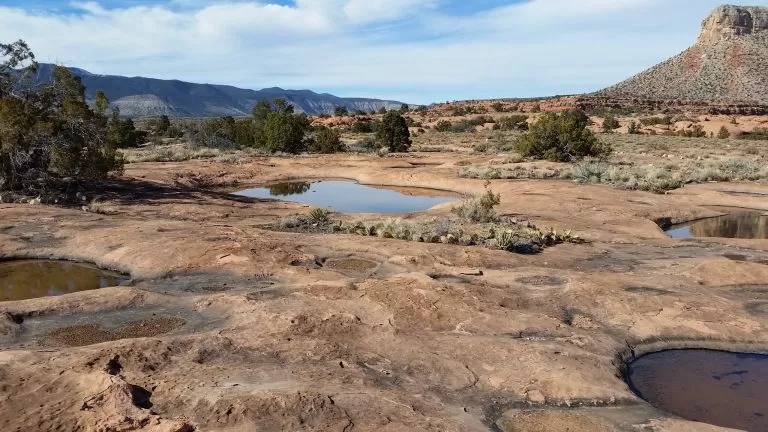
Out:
{"x": 353, "y": 197}
{"x": 716, "y": 387}
{"x": 26, "y": 279}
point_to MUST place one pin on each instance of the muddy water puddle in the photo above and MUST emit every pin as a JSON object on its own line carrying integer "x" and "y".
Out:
{"x": 26, "y": 279}
{"x": 353, "y": 197}
{"x": 720, "y": 388}
{"x": 739, "y": 224}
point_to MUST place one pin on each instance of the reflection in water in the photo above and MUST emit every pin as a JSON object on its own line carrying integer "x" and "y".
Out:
{"x": 715, "y": 387}
{"x": 744, "y": 225}
{"x": 287, "y": 189}
{"x": 25, "y": 279}
{"x": 352, "y": 197}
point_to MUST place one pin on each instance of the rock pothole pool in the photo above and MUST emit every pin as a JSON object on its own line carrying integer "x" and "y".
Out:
{"x": 716, "y": 387}
{"x": 29, "y": 278}
{"x": 742, "y": 224}
{"x": 352, "y": 197}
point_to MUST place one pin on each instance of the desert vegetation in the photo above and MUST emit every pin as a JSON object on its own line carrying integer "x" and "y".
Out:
{"x": 49, "y": 136}
{"x": 562, "y": 137}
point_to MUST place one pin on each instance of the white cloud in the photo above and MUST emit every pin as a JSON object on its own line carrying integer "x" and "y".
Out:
{"x": 365, "y": 47}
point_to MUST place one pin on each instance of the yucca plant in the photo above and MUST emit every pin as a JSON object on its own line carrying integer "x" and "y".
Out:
{"x": 319, "y": 215}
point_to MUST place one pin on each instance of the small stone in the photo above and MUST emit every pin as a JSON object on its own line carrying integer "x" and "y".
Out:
{"x": 535, "y": 396}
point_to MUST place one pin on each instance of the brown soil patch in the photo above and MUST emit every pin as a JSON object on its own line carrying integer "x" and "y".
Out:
{"x": 89, "y": 334}
{"x": 351, "y": 264}
{"x": 540, "y": 421}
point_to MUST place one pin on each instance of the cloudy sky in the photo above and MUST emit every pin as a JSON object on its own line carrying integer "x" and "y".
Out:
{"x": 418, "y": 51}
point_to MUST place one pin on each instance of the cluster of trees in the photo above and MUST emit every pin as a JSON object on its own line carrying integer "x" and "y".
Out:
{"x": 48, "y": 132}
{"x": 342, "y": 111}
{"x": 275, "y": 127}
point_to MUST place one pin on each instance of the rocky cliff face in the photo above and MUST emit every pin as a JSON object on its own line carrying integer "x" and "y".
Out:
{"x": 727, "y": 64}
{"x": 728, "y": 22}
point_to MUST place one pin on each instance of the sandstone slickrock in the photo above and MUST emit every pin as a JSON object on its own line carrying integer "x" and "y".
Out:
{"x": 728, "y": 63}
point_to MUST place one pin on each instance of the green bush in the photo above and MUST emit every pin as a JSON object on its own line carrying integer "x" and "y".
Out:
{"x": 517, "y": 122}
{"x": 443, "y": 126}
{"x": 364, "y": 127}
{"x": 653, "y": 121}
{"x": 327, "y": 141}
{"x": 497, "y": 106}
{"x": 610, "y": 124}
{"x": 723, "y": 133}
{"x": 340, "y": 111}
{"x": 462, "y": 126}
{"x": 759, "y": 133}
{"x": 49, "y": 133}
{"x": 561, "y": 137}
{"x": 393, "y": 133}
{"x": 480, "y": 208}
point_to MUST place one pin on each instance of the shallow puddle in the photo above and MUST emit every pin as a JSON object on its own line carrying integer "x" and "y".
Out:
{"x": 742, "y": 224}
{"x": 715, "y": 387}
{"x": 26, "y": 279}
{"x": 352, "y": 197}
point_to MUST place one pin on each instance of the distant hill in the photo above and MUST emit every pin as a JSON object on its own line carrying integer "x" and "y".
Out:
{"x": 728, "y": 63}
{"x": 148, "y": 97}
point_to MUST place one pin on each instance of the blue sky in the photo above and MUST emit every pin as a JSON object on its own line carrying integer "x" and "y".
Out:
{"x": 418, "y": 51}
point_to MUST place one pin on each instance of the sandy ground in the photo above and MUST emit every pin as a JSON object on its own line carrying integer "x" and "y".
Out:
{"x": 223, "y": 329}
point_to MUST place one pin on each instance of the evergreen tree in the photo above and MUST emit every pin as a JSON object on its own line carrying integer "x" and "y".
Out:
{"x": 393, "y": 133}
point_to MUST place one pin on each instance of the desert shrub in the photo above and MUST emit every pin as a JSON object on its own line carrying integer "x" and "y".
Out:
{"x": 365, "y": 145}
{"x": 653, "y": 121}
{"x": 340, "y": 111}
{"x": 49, "y": 132}
{"x": 327, "y": 141}
{"x": 759, "y": 133}
{"x": 561, "y": 137}
{"x": 751, "y": 150}
{"x": 536, "y": 108}
{"x": 481, "y": 120}
{"x": 162, "y": 126}
{"x": 121, "y": 133}
{"x": 459, "y": 112}
{"x": 364, "y": 127}
{"x": 393, "y": 133}
{"x": 319, "y": 215}
{"x": 516, "y": 122}
{"x": 497, "y": 106}
{"x": 590, "y": 172}
{"x": 634, "y": 128}
{"x": 610, "y": 124}
{"x": 443, "y": 126}
{"x": 696, "y": 131}
{"x": 740, "y": 169}
{"x": 462, "y": 126}
{"x": 723, "y": 133}
{"x": 480, "y": 208}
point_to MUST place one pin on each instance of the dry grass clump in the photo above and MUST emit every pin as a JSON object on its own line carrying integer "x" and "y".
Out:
{"x": 506, "y": 234}
{"x": 180, "y": 153}
{"x": 659, "y": 179}
{"x": 528, "y": 171}
{"x": 477, "y": 224}
{"x": 480, "y": 208}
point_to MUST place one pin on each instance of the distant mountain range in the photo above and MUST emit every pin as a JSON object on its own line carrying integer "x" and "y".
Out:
{"x": 148, "y": 97}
